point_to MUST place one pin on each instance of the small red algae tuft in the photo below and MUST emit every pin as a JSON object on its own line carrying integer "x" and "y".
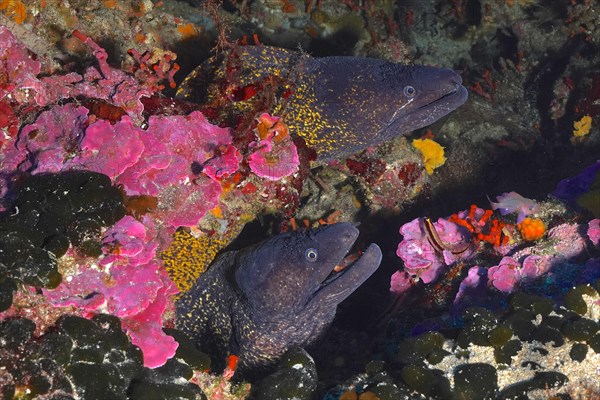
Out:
{"x": 371, "y": 169}
{"x": 9, "y": 123}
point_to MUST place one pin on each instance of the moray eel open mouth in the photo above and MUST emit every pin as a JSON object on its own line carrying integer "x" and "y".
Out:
{"x": 347, "y": 270}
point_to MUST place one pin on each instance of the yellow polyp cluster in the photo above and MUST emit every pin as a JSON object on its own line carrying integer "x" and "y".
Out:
{"x": 188, "y": 257}
{"x": 532, "y": 229}
{"x": 582, "y": 127}
{"x": 433, "y": 153}
{"x": 14, "y": 9}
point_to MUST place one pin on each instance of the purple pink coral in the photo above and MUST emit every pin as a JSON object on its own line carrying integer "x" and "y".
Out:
{"x": 127, "y": 282}
{"x": 593, "y": 231}
{"x": 420, "y": 257}
{"x": 274, "y": 155}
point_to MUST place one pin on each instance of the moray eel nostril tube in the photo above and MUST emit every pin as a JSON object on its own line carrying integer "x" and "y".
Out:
{"x": 259, "y": 301}
{"x": 338, "y": 105}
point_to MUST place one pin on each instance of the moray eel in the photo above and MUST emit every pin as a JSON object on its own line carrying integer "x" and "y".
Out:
{"x": 259, "y": 301}
{"x": 338, "y": 105}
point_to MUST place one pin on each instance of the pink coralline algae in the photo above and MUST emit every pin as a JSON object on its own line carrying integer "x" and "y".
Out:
{"x": 24, "y": 85}
{"x": 417, "y": 250}
{"x": 505, "y": 275}
{"x": 127, "y": 282}
{"x": 9, "y": 123}
{"x": 569, "y": 241}
{"x": 593, "y": 231}
{"x": 473, "y": 285}
{"x": 172, "y": 146}
{"x": 400, "y": 282}
{"x": 177, "y": 160}
{"x": 274, "y": 155}
{"x": 158, "y": 161}
{"x": 513, "y": 202}
{"x": 51, "y": 141}
{"x": 18, "y": 67}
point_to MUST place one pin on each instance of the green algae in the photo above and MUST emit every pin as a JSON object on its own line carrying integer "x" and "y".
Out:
{"x": 574, "y": 298}
{"x": 504, "y": 354}
{"x": 475, "y": 381}
{"x": 540, "y": 381}
{"x": 295, "y": 378}
{"x": 580, "y": 329}
{"x": 436, "y": 356}
{"x": 188, "y": 352}
{"x": 500, "y": 335}
{"x": 81, "y": 358}
{"x": 578, "y": 352}
{"x": 536, "y": 304}
{"x": 48, "y": 214}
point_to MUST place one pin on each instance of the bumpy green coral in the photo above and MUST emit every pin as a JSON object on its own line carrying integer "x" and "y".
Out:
{"x": 48, "y": 213}
{"x": 295, "y": 378}
{"x": 479, "y": 358}
{"x": 91, "y": 359}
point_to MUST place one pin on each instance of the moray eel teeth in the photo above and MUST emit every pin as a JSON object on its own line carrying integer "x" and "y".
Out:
{"x": 338, "y": 284}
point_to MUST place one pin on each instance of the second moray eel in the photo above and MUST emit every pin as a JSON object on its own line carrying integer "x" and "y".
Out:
{"x": 259, "y": 301}
{"x": 338, "y": 105}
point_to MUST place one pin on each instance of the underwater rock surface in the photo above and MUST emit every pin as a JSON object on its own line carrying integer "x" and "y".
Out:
{"x": 90, "y": 86}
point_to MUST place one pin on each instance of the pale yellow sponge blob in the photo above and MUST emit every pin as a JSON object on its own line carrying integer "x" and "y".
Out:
{"x": 583, "y": 126}
{"x": 433, "y": 153}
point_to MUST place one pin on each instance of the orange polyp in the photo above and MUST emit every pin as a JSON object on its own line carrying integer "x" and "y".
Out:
{"x": 472, "y": 212}
{"x": 487, "y": 215}
{"x": 531, "y": 229}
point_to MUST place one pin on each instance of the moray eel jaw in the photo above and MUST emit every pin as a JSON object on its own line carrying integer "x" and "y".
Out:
{"x": 437, "y": 92}
{"x": 339, "y": 285}
{"x": 293, "y": 273}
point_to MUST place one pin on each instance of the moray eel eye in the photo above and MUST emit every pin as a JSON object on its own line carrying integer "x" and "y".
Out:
{"x": 311, "y": 255}
{"x": 410, "y": 91}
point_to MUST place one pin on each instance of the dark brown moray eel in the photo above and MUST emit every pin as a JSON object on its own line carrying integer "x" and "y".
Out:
{"x": 259, "y": 301}
{"x": 338, "y": 105}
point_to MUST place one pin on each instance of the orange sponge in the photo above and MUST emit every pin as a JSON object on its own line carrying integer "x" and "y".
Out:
{"x": 532, "y": 228}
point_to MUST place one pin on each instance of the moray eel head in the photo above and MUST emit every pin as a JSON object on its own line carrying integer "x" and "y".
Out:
{"x": 428, "y": 94}
{"x": 293, "y": 273}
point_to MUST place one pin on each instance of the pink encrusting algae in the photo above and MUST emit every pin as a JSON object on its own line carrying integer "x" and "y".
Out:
{"x": 593, "y": 231}
{"x": 426, "y": 250}
{"x": 182, "y": 162}
{"x": 25, "y": 85}
{"x": 129, "y": 282}
{"x": 273, "y": 155}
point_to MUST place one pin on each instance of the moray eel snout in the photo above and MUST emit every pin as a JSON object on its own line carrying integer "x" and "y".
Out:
{"x": 294, "y": 272}
{"x": 430, "y": 94}
{"x": 259, "y": 301}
